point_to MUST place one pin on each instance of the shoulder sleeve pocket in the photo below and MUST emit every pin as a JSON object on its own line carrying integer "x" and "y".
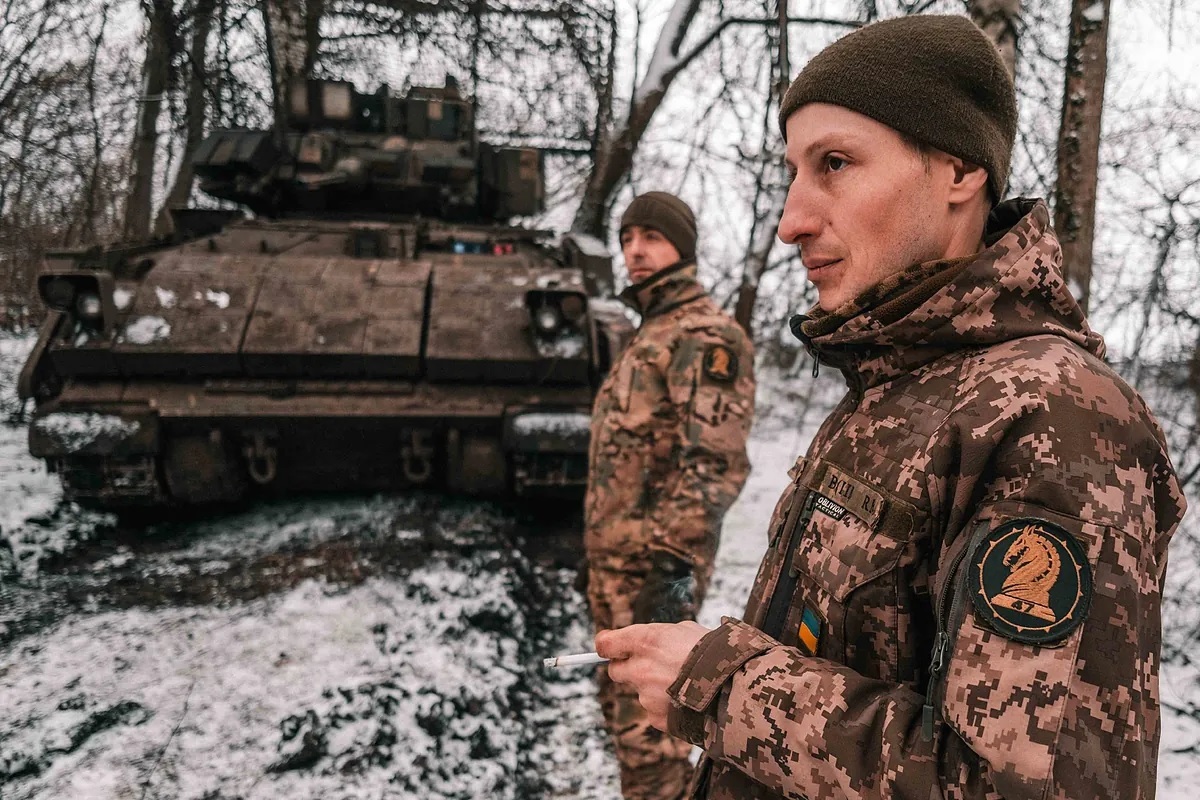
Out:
{"x": 1054, "y": 651}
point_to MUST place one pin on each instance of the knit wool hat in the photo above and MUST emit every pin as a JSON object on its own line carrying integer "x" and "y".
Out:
{"x": 936, "y": 79}
{"x": 667, "y": 214}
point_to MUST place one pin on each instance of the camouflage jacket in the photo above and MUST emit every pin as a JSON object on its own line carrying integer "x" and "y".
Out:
{"x": 669, "y": 427}
{"x": 961, "y": 595}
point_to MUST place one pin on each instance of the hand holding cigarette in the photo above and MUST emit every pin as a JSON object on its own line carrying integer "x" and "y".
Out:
{"x": 649, "y": 658}
{"x": 576, "y": 660}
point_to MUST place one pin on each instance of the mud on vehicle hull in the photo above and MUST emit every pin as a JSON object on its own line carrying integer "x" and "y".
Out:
{"x": 212, "y": 373}
{"x": 224, "y": 441}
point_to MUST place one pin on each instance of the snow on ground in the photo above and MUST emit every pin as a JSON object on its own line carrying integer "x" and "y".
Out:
{"x": 356, "y": 647}
{"x": 381, "y": 689}
{"x": 32, "y": 523}
{"x": 347, "y": 647}
{"x": 350, "y": 648}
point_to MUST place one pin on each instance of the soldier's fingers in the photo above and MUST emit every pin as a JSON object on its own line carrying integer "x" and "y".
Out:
{"x": 613, "y": 645}
{"x": 619, "y": 671}
{"x": 628, "y": 642}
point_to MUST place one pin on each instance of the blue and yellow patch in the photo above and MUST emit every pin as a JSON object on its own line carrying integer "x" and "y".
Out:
{"x": 810, "y": 631}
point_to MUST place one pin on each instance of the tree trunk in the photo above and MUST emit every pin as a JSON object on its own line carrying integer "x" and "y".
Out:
{"x": 180, "y": 190}
{"x": 1079, "y": 142}
{"x": 615, "y": 148}
{"x": 758, "y": 251}
{"x": 313, "y": 11}
{"x": 771, "y": 186}
{"x": 293, "y": 37}
{"x": 145, "y": 141}
{"x": 999, "y": 19}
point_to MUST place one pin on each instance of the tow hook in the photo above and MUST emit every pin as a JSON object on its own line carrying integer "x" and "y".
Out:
{"x": 261, "y": 458}
{"x": 417, "y": 457}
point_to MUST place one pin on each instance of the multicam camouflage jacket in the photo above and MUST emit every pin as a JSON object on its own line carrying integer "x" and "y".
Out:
{"x": 961, "y": 595}
{"x": 669, "y": 427}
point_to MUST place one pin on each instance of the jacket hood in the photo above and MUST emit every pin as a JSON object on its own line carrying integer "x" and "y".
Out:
{"x": 1012, "y": 289}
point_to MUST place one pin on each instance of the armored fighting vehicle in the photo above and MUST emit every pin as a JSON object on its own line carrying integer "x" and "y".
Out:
{"x": 375, "y": 324}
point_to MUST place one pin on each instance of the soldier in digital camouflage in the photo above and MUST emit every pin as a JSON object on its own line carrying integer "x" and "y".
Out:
{"x": 667, "y": 459}
{"x": 962, "y": 589}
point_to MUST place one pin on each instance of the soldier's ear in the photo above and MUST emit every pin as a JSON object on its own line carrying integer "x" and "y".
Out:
{"x": 967, "y": 180}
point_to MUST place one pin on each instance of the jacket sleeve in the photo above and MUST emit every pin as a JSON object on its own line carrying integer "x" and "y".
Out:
{"x": 709, "y": 376}
{"x": 1073, "y": 716}
{"x": 803, "y": 727}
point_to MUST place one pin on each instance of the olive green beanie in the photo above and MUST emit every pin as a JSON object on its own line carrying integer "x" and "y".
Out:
{"x": 667, "y": 214}
{"x": 936, "y": 79}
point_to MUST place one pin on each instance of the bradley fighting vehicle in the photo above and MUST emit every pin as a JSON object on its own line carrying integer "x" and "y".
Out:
{"x": 375, "y": 325}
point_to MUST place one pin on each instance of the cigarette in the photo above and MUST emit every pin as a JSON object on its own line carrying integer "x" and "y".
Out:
{"x": 576, "y": 660}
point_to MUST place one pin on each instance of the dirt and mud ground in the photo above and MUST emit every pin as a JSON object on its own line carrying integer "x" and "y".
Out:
{"x": 351, "y": 647}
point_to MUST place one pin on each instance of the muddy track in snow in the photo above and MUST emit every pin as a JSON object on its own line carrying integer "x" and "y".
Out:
{"x": 481, "y": 573}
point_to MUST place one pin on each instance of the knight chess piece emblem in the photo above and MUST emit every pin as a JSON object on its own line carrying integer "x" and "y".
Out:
{"x": 720, "y": 363}
{"x": 1030, "y": 580}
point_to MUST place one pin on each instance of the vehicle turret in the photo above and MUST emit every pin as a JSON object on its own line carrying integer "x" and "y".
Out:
{"x": 346, "y": 152}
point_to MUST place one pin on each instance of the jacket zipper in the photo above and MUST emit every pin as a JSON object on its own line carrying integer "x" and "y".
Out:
{"x": 940, "y": 642}
{"x": 785, "y": 587}
{"x": 857, "y": 387}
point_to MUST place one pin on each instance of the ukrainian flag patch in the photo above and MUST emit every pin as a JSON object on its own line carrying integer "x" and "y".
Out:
{"x": 810, "y": 631}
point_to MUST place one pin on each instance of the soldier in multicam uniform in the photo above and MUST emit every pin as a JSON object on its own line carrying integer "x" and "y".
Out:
{"x": 961, "y": 594}
{"x": 668, "y": 457}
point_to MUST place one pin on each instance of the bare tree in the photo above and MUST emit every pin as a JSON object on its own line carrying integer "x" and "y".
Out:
{"x": 60, "y": 181}
{"x": 155, "y": 73}
{"x": 770, "y": 186}
{"x": 1079, "y": 142}
{"x": 615, "y": 146}
{"x": 293, "y": 31}
{"x": 998, "y": 18}
{"x": 194, "y": 112}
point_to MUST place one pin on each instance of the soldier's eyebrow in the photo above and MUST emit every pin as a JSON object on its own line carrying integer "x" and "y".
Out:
{"x": 830, "y": 141}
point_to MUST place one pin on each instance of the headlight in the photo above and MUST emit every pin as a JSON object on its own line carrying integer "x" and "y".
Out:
{"x": 89, "y": 307}
{"x": 555, "y": 312}
{"x": 58, "y": 293}
{"x": 547, "y": 319}
{"x": 84, "y": 293}
{"x": 573, "y": 308}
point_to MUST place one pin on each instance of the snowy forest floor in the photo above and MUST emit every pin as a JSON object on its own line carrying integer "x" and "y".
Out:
{"x": 357, "y": 647}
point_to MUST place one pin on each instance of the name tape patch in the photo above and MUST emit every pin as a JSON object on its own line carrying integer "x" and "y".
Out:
{"x": 853, "y": 495}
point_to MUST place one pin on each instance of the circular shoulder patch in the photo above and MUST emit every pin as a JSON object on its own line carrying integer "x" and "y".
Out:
{"x": 720, "y": 363}
{"x": 1031, "y": 581}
